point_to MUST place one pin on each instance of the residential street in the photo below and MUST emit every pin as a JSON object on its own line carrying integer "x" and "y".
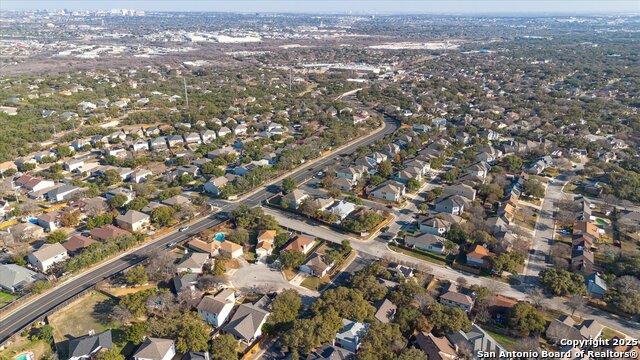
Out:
{"x": 378, "y": 248}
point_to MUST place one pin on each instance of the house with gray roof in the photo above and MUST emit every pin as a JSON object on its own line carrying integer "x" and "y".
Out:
{"x": 86, "y": 347}
{"x": 427, "y": 242}
{"x": 216, "y": 309}
{"x": 246, "y": 323}
{"x": 47, "y": 256}
{"x": 155, "y": 349}
{"x": 15, "y": 278}
{"x": 351, "y": 334}
{"x": 475, "y": 340}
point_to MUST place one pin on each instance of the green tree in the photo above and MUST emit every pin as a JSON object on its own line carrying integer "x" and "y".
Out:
{"x": 457, "y": 234}
{"x": 349, "y": 303}
{"x": 45, "y": 333}
{"x": 291, "y": 259}
{"x": 308, "y": 334}
{"x": 136, "y": 332}
{"x": 117, "y": 201}
{"x": 512, "y": 162}
{"x": 288, "y": 184}
{"x": 218, "y": 268}
{"x": 70, "y": 218}
{"x": 40, "y": 286}
{"x": 224, "y": 347}
{"x": 382, "y": 341}
{"x": 526, "y": 320}
{"x": 534, "y": 188}
{"x": 385, "y": 168}
{"x": 284, "y": 310}
{"x": 413, "y": 185}
{"x": 239, "y": 236}
{"x": 56, "y": 236}
{"x": 412, "y": 354}
{"x": 162, "y": 215}
{"x": 137, "y": 204}
{"x": 110, "y": 177}
{"x": 366, "y": 281}
{"x": 562, "y": 282}
{"x": 446, "y": 319}
{"x": 137, "y": 275}
{"x": 110, "y": 354}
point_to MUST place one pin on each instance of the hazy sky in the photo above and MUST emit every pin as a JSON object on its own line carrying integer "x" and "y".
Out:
{"x": 342, "y": 6}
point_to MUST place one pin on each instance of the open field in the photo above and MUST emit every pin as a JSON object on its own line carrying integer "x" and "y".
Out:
{"x": 89, "y": 313}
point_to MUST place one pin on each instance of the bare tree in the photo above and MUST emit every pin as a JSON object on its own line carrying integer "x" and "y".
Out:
{"x": 121, "y": 314}
{"x": 528, "y": 344}
{"x": 188, "y": 299}
{"x": 206, "y": 282}
{"x": 536, "y": 296}
{"x": 576, "y": 303}
{"x": 161, "y": 265}
{"x": 160, "y": 303}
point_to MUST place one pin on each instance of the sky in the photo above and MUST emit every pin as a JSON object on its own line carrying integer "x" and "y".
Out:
{"x": 344, "y": 6}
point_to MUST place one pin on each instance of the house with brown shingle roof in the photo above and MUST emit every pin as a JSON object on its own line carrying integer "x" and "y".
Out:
{"x": 586, "y": 227}
{"x": 107, "y": 232}
{"x": 436, "y": 348}
{"x": 479, "y": 257}
{"x": 210, "y": 248}
{"x": 303, "y": 244}
{"x": 77, "y": 243}
{"x": 133, "y": 220}
{"x": 231, "y": 249}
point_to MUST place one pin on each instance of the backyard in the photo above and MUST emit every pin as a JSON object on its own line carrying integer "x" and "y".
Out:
{"x": 6, "y": 299}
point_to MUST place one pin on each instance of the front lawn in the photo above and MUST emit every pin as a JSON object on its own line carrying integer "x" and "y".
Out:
{"x": 315, "y": 283}
{"x": 421, "y": 254}
{"x": 6, "y": 299}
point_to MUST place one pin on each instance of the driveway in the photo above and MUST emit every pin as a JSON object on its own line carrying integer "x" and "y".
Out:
{"x": 253, "y": 277}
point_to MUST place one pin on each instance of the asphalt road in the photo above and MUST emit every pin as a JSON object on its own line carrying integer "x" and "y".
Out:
{"x": 31, "y": 311}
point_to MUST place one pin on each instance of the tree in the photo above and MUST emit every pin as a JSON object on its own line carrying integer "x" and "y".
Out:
{"x": 137, "y": 275}
{"x": 412, "y": 354}
{"x": 406, "y": 318}
{"x": 446, "y": 319}
{"x": 534, "y": 188}
{"x": 366, "y": 281}
{"x": 285, "y": 308}
{"x": 218, "y": 268}
{"x": 45, "y": 333}
{"x": 291, "y": 259}
{"x": 288, "y": 184}
{"x": 561, "y": 282}
{"x": 40, "y": 286}
{"x": 56, "y": 236}
{"x": 526, "y": 319}
{"x": 137, "y": 204}
{"x": 161, "y": 265}
{"x": 457, "y": 234}
{"x": 162, "y": 215}
{"x": 188, "y": 329}
{"x": 536, "y": 296}
{"x": 117, "y": 201}
{"x": 413, "y": 185}
{"x": 512, "y": 162}
{"x": 136, "y": 332}
{"x": 576, "y": 303}
{"x": 349, "y": 303}
{"x": 111, "y": 177}
{"x": 224, "y": 347}
{"x": 110, "y": 354}
{"x": 625, "y": 294}
{"x": 239, "y": 236}
{"x": 70, "y": 218}
{"x": 382, "y": 341}
{"x": 308, "y": 334}
{"x": 385, "y": 168}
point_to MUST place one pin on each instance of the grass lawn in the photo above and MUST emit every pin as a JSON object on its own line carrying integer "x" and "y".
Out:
{"x": 289, "y": 274}
{"x": 6, "y": 298}
{"x": 610, "y": 334}
{"x": 39, "y": 348}
{"x": 423, "y": 255}
{"x": 120, "y": 292}
{"x": 89, "y": 313}
{"x": 315, "y": 283}
{"x": 508, "y": 342}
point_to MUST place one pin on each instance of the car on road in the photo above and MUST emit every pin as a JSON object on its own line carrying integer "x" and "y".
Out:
{"x": 183, "y": 229}
{"x": 319, "y": 174}
{"x": 172, "y": 244}
{"x": 385, "y": 229}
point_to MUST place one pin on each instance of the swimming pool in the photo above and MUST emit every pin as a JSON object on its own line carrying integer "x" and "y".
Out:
{"x": 24, "y": 356}
{"x": 33, "y": 220}
{"x": 219, "y": 237}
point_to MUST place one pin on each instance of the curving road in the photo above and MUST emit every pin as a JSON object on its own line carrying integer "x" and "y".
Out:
{"x": 36, "y": 309}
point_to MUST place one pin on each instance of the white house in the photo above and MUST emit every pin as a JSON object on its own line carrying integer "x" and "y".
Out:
{"x": 390, "y": 191}
{"x": 216, "y": 309}
{"x": 155, "y": 349}
{"x": 47, "y": 256}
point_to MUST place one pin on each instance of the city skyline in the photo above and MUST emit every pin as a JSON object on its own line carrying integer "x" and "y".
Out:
{"x": 356, "y": 7}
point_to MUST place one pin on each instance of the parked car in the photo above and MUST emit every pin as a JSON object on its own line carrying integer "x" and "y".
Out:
{"x": 184, "y": 228}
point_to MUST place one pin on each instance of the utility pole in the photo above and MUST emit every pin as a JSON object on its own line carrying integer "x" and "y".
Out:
{"x": 186, "y": 96}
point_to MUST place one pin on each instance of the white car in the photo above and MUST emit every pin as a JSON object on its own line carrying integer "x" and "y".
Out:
{"x": 184, "y": 228}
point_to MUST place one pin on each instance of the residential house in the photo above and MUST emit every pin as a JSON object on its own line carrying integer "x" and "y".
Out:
{"x": 15, "y": 278}
{"x": 461, "y": 190}
{"x": 158, "y": 143}
{"x": 389, "y": 191}
{"x": 294, "y": 198}
{"x": 192, "y": 263}
{"x": 47, "y": 256}
{"x": 174, "y": 140}
{"x": 351, "y": 334}
{"x": 133, "y": 221}
{"x": 212, "y": 248}
{"x": 343, "y": 184}
{"x": 500, "y": 308}
{"x": 317, "y": 265}
{"x": 563, "y": 328}
{"x": 451, "y": 204}
{"x": 582, "y": 260}
{"x": 265, "y": 241}
{"x": 586, "y": 227}
{"x": 73, "y": 164}
{"x": 5, "y": 208}
{"x": 596, "y": 286}
{"x": 436, "y": 348}
{"x": 231, "y": 249}
{"x": 434, "y": 225}
{"x": 127, "y": 193}
{"x": 139, "y": 145}
{"x": 49, "y": 221}
{"x": 107, "y": 232}
{"x": 140, "y": 175}
{"x": 349, "y": 172}
{"x": 33, "y": 184}
{"x": 207, "y": 136}
{"x": 401, "y": 271}
{"x": 323, "y": 203}
{"x": 330, "y": 352}
{"x": 224, "y": 131}
{"x": 192, "y": 138}
{"x": 214, "y": 185}
{"x": 479, "y": 257}
{"x": 177, "y": 200}
{"x": 475, "y": 340}
{"x": 26, "y": 231}
{"x": 385, "y": 311}
{"x": 216, "y": 309}
{"x": 342, "y": 209}
{"x": 77, "y": 243}
{"x": 246, "y": 323}
{"x": 377, "y": 157}
{"x": 62, "y": 193}
{"x": 427, "y": 242}
{"x": 590, "y": 329}
{"x": 185, "y": 282}
{"x": 155, "y": 349}
{"x": 303, "y": 244}
{"x": 408, "y": 173}
{"x": 86, "y": 347}
{"x": 456, "y": 299}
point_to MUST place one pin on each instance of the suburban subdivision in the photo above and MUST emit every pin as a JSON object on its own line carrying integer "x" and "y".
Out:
{"x": 349, "y": 183}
